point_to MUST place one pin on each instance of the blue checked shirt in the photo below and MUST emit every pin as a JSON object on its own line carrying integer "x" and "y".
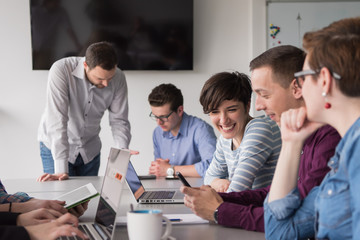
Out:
{"x": 17, "y": 197}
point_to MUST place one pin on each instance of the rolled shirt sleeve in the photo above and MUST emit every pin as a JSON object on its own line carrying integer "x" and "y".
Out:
{"x": 16, "y": 197}
{"x": 193, "y": 145}
{"x": 290, "y": 217}
{"x": 118, "y": 114}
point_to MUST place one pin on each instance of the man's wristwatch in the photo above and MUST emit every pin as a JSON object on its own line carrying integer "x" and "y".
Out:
{"x": 170, "y": 171}
{"x": 216, "y": 215}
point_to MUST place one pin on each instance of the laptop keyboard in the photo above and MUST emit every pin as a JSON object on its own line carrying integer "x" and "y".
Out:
{"x": 158, "y": 195}
{"x": 85, "y": 230}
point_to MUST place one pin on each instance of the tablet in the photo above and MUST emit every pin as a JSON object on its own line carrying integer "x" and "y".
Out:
{"x": 78, "y": 196}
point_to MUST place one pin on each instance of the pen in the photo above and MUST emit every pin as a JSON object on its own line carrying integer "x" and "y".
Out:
{"x": 175, "y": 220}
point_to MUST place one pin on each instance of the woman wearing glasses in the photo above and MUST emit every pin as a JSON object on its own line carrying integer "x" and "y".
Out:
{"x": 248, "y": 148}
{"x": 330, "y": 85}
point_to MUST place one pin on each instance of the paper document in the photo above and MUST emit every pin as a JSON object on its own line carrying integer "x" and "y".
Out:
{"x": 188, "y": 218}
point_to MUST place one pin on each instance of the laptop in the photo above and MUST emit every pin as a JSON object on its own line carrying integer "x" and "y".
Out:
{"x": 104, "y": 226}
{"x": 142, "y": 196}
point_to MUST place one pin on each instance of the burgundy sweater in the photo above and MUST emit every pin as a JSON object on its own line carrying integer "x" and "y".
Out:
{"x": 245, "y": 209}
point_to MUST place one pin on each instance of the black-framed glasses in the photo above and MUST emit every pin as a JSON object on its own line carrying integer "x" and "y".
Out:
{"x": 300, "y": 76}
{"x": 161, "y": 118}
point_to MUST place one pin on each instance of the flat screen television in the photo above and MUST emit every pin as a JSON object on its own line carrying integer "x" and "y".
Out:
{"x": 148, "y": 34}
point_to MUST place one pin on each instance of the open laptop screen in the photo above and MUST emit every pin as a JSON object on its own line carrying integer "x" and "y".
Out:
{"x": 105, "y": 215}
{"x": 134, "y": 182}
{"x": 113, "y": 179}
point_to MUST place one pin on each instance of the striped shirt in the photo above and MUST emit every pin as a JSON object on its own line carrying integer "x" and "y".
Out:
{"x": 253, "y": 163}
{"x": 17, "y": 197}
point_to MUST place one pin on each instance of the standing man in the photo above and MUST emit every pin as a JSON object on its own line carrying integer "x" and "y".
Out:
{"x": 182, "y": 142}
{"x": 79, "y": 91}
{"x": 277, "y": 91}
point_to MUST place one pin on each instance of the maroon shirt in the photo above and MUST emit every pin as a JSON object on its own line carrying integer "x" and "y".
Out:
{"x": 245, "y": 209}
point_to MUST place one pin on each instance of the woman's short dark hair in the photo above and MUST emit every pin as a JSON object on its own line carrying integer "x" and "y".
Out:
{"x": 166, "y": 93}
{"x": 225, "y": 86}
{"x": 102, "y": 54}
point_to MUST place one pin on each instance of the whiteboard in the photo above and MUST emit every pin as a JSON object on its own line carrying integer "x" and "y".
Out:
{"x": 296, "y": 18}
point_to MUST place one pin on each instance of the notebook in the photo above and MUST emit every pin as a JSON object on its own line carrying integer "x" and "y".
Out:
{"x": 142, "y": 196}
{"x": 104, "y": 226}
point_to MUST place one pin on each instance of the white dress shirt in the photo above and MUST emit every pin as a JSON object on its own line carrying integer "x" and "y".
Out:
{"x": 74, "y": 108}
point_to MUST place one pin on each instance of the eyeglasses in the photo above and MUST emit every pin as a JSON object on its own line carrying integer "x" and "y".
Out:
{"x": 300, "y": 76}
{"x": 161, "y": 118}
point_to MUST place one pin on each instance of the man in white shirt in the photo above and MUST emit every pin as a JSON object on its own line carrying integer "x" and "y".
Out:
{"x": 80, "y": 90}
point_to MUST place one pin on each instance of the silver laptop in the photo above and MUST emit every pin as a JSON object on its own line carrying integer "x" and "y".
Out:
{"x": 104, "y": 226}
{"x": 142, "y": 196}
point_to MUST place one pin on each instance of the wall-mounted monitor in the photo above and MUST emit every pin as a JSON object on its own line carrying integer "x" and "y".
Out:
{"x": 148, "y": 34}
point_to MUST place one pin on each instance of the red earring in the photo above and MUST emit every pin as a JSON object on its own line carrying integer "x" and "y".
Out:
{"x": 327, "y": 104}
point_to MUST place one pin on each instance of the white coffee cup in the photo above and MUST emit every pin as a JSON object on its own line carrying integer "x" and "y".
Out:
{"x": 147, "y": 224}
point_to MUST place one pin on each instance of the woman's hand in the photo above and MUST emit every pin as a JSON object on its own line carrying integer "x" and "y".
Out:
{"x": 37, "y": 216}
{"x": 66, "y": 225}
{"x": 220, "y": 185}
{"x": 295, "y": 126}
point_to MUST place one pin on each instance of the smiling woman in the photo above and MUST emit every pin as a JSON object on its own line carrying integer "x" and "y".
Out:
{"x": 248, "y": 148}
{"x": 230, "y": 119}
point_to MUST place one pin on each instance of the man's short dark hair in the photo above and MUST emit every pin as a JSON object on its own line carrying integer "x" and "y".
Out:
{"x": 166, "y": 93}
{"x": 102, "y": 54}
{"x": 225, "y": 86}
{"x": 284, "y": 61}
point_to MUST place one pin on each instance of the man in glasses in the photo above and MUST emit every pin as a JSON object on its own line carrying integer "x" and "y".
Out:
{"x": 182, "y": 143}
{"x": 277, "y": 90}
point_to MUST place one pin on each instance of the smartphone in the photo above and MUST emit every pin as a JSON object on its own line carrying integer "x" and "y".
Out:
{"x": 147, "y": 177}
{"x": 182, "y": 179}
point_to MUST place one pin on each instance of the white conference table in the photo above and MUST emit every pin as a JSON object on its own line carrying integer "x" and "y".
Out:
{"x": 50, "y": 190}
